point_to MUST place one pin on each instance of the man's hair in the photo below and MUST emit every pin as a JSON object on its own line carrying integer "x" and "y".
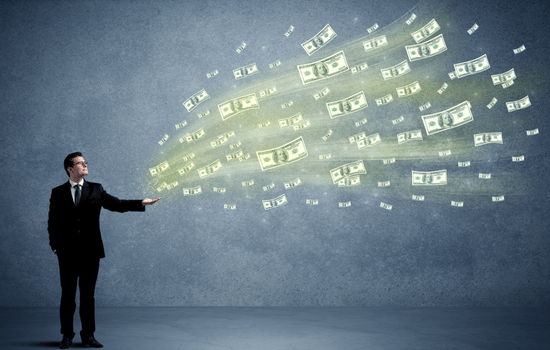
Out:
{"x": 68, "y": 162}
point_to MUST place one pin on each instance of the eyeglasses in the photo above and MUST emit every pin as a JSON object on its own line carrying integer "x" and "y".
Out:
{"x": 84, "y": 163}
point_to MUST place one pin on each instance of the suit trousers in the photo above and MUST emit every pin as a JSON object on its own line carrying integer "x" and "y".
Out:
{"x": 82, "y": 270}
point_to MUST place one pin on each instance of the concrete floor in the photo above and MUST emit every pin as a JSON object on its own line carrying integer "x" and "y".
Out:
{"x": 286, "y": 328}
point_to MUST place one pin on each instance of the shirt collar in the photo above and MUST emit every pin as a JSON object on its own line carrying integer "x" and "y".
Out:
{"x": 73, "y": 184}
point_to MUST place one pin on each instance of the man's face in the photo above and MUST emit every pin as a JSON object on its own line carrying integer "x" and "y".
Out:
{"x": 79, "y": 168}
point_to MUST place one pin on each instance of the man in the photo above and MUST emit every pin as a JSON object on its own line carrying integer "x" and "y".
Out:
{"x": 75, "y": 237}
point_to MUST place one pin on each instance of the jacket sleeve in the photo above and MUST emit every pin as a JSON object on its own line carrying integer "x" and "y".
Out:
{"x": 54, "y": 222}
{"x": 112, "y": 203}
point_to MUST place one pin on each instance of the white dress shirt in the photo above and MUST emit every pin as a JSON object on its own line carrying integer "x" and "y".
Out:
{"x": 73, "y": 190}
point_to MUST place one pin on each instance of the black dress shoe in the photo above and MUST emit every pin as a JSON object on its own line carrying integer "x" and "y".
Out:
{"x": 65, "y": 343}
{"x": 91, "y": 342}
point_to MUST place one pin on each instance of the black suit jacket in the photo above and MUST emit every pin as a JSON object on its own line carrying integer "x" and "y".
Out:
{"x": 75, "y": 231}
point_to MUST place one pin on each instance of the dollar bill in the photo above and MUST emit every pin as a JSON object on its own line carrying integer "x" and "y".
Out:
{"x": 473, "y": 29}
{"x": 373, "y": 28}
{"x": 498, "y": 198}
{"x": 452, "y": 75}
{"x": 192, "y": 191}
{"x": 386, "y": 206}
{"x": 195, "y": 100}
{"x": 181, "y": 125}
{"x": 484, "y": 176}
{"x": 164, "y": 139}
{"x": 235, "y": 145}
{"x": 172, "y": 185}
{"x": 507, "y": 84}
{"x": 519, "y": 104}
{"x": 448, "y": 119}
{"x": 186, "y": 168}
{"x": 324, "y": 156}
{"x": 384, "y": 100}
{"x": 388, "y": 161}
{"x": 519, "y": 49}
{"x": 492, "y": 103}
{"x": 295, "y": 119}
{"x": 375, "y": 43}
{"x": 359, "y": 68}
{"x": 312, "y": 201}
{"x": 347, "y": 170}
{"x": 425, "y": 32}
{"x": 415, "y": 135}
{"x": 457, "y": 204}
{"x": 219, "y": 189}
{"x": 425, "y": 106}
{"x": 411, "y": 19}
{"x": 218, "y": 142}
{"x": 478, "y": 65}
{"x": 327, "y": 134}
{"x": 384, "y": 183}
{"x": 200, "y": 115}
{"x": 518, "y": 159}
{"x": 283, "y": 155}
{"x": 275, "y": 64}
{"x": 396, "y": 71}
{"x": 286, "y": 105}
{"x": 264, "y": 125}
{"x": 398, "y": 120}
{"x": 303, "y": 125}
{"x": 244, "y": 157}
{"x": 212, "y": 74}
{"x": 275, "y": 202}
{"x": 428, "y": 49}
{"x": 348, "y": 105}
{"x": 245, "y": 71}
{"x": 408, "y": 90}
{"x": 241, "y": 47}
{"x": 361, "y": 122}
{"x": 234, "y": 156}
{"x": 369, "y": 141}
{"x": 319, "y": 40}
{"x": 532, "y": 132}
{"x": 445, "y": 153}
{"x": 210, "y": 169}
{"x": 195, "y": 136}
{"x": 162, "y": 186}
{"x": 268, "y": 187}
{"x": 289, "y": 31}
{"x": 238, "y": 105}
{"x": 268, "y": 91}
{"x": 189, "y": 157}
{"x": 293, "y": 183}
{"x": 230, "y": 206}
{"x": 357, "y": 137}
{"x": 349, "y": 181}
{"x": 321, "y": 93}
{"x": 442, "y": 88}
{"x": 323, "y": 69}
{"x": 464, "y": 164}
{"x": 248, "y": 183}
{"x": 344, "y": 204}
{"x": 159, "y": 169}
{"x": 502, "y": 78}
{"x": 429, "y": 178}
{"x": 417, "y": 198}
{"x": 486, "y": 138}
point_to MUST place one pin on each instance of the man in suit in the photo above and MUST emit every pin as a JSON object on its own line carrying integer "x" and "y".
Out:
{"x": 75, "y": 237}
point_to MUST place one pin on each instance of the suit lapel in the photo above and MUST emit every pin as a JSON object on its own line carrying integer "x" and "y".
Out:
{"x": 67, "y": 196}
{"x": 85, "y": 191}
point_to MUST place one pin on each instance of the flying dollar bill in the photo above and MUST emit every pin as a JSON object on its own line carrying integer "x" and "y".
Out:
{"x": 347, "y": 170}
{"x": 375, "y": 43}
{"x": 241, "y": 48}
{"x": 415, "y": 135}
{"x": 504, "y": 77}
{"x": 361, "y": 122}
{"x": 445, "y": 153}
{"x": 302, "y": 125}
{"x": 428, "y": 49}
{"x": 189, "y": 157}
{"x": 195, "y": 136}
{"x": 192, "y": 191}
{"x": 452, "y": 75}
{"x": 234, "y": 156}
{"x": 195, "y": 100}
{"x": 230, "y": 206}
{"x": 417, "y": 198}
{"x": 497, "y": 198}
{"x": 369, "y": 141}
{"x": 398, "y": 120}
{"x": 324, "y": 156}
{"x": 289, "y": 31}
{"x": 485, "y": 176}
{"x": 373, "y": 28}
{"x": 172, "y": 185}
{"x": 426, "y": 31}
{"x": 507, "y": 84}
{"x": 319, "y": 40}
{"x": 429, "y": 178}
{"x": 219, "y": 189}
{"x": 200, "y": 115}
{"x": 388, "y": 161}
{"x": 268, "y": 91}
{"x": 245, "y": 71}
{"x": 519, "y": 104}
{"x": 162, "y": 186}
{"x": 275, "y": 202}
{"x": 210, "y": 169}
{"x": 283, "y": 155}
{"x": 471, "y": 67}
{"x": 384, "y": 183}
{"x": 286, "y": 105}
{"x": 384, "y": 100}
{"x": 218, "y": 142}
{"x": 349, "y": 181}
{"x": 344, "y": 204}
{"x": 442, "y": 88}
{"x": 408, "y": 90}
{"x": 244, "y": 157}
{"x": 348, "y": 105}
{"x": 357, "y": 137}
{"x": 235, "y": 145}
{"x": 186, "y": 168}
{"x": 327, "y": 134}
{"x": 532, "y": 132}
{"x": 386, "y": 206}
{"x": 486, "y": 138}
{"x": 519, "y": 49}
{"x": 275, "y": 64}
{"x": 492, "y": 103}
{"x": 293, "y": 183}
{"x": 162, "y": 167}
{"x": 321, "y": 93}
{"x": 312, "y": 201}
{"x": 323, "y": 69}
{"x": 241, "y": 104}
{"x": 164, "y": 139}
{"x": 457, "y": 204}
{"x": 268, "y": 187}
{"x": 212, "y": 74}
{"x": 473, "y": 29}
{"x": 295, "y": 119}
{"x": 518, "y": 159}
{"x": 425, "y": 106}
{"x": 264, "y": 125}
{"x": 359, "y": 68}
{"x": 247, "y": 183}
{"x": 448, "y": 119}
{"x": 396, "y": 71}
{"x": 411, "y": 19}
{"x": 464, "y": 164}
{"x": 181, "y": 125}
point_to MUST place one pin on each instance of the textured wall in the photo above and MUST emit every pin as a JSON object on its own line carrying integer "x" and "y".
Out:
{"x": 108, "y": 78}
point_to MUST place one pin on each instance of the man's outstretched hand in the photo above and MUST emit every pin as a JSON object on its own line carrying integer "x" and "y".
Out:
{"x": 148, "y": 201}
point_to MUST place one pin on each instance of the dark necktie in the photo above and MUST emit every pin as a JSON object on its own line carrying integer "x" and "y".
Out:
{"x": 76, "y": 195}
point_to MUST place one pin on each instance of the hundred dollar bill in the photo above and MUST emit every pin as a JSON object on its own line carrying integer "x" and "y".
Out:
{"x": 448, "y": 119}
{"x": 415, "y": 135}
{"x": 192, "y": 191}
{"x": 210, "y": 169}
{"x": 283, "y": 155}
{"x": 425, "y": 106}
{"x": 371, "y": 140}
{"x": 295, "y": 119}
{"x": 388, "y": 161}
{"x": 303, "y": 125}
{"x": 519, "y": 49}
{"x": 445, "y": 153}
{"x": 327, "y": 134}
{"x": 293, "y": 183}
{"x": 519, "y": 104}
{"x": 484, "y": 176}
{"x": 312, "y": 201}
{"x": 357, "y": 137}
{"x": 162, "y": 186}
{"x": 289, "y": 31}
{"x": 245, "y": 71}
{"x": 321, "y": 93}
{"x": 532, "y": 132}
{"x": 172, "y": 185}
{"x": 498, "y": 198}
{"x": 324, "y": 156}
{"x": 322, "y": 69}
{"x": 347, "y": 170}
{"x": 411, "y": 19}
{"x": 383, "y": 183}
{"x": 235, "y": 145}
{"x": 492, "y": 103}
{"x": 452, "y": 75}
{"x": 264, "y": 125}
{"x": 268, "y": 187}
{"x": 463, "y": 164}
{"x": 234, "y": 156}
{"x": 473, "y": 29}
{"x": 373, "y": 28}
{"x": 486, "y": 138}
{"x": 359, "y": 68}
{"x": 518, "y": 159}
{"x": 344, "y": 204}
{"x": 457, "y": 204}
{"x": 286, "y": 105}
{"x": 186, "y": 168}
{"x": 164, "y": 139}
{"x": 212, "y": 74}
{"x": 348, "y": 105}
{"x": 248, "y": 183}
{"x": 230, "y": 206}
{"x": 219, "y": 189}
{"x": 275, "y": 64}
{"x": 162, "y": 167}
{"x": 245, "y": 157}
{"x": 428, "y": 49}
{"x": 396, "y": 71}
{"x": 189, "y": 157}
{"x": 417, "y": 198}
{"x": 375, "y": 43}
{"x": 233, "y": 107}
{"x": 361, "y": 122}
{"x": 195, "y": 136}
{"x": 426, "y": 31}
{"x": 384, "y": 100}
{"x": 504, "y": 77}
{"x": 319, "y": 40}
{"x": 507, "y": 84}
{"x": 386, "y": 206}
{"x": 470, "y": 67}
{"x": 275, "y": 202}
{"x": 349, "y": 181}
{"x": 241, "y": 48}
{"x": 195, "y": 100}
{"x": 398, "y": 120}
{"x": 268, "y": 91}
{"x": 442, "y": 88}
{"x": 429, "y": 178}
{"x": 181, "y": 125}
{"x": 218, "y": 142}
{"x": 200, "y": 115}
{"x": 408, "y": 90}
